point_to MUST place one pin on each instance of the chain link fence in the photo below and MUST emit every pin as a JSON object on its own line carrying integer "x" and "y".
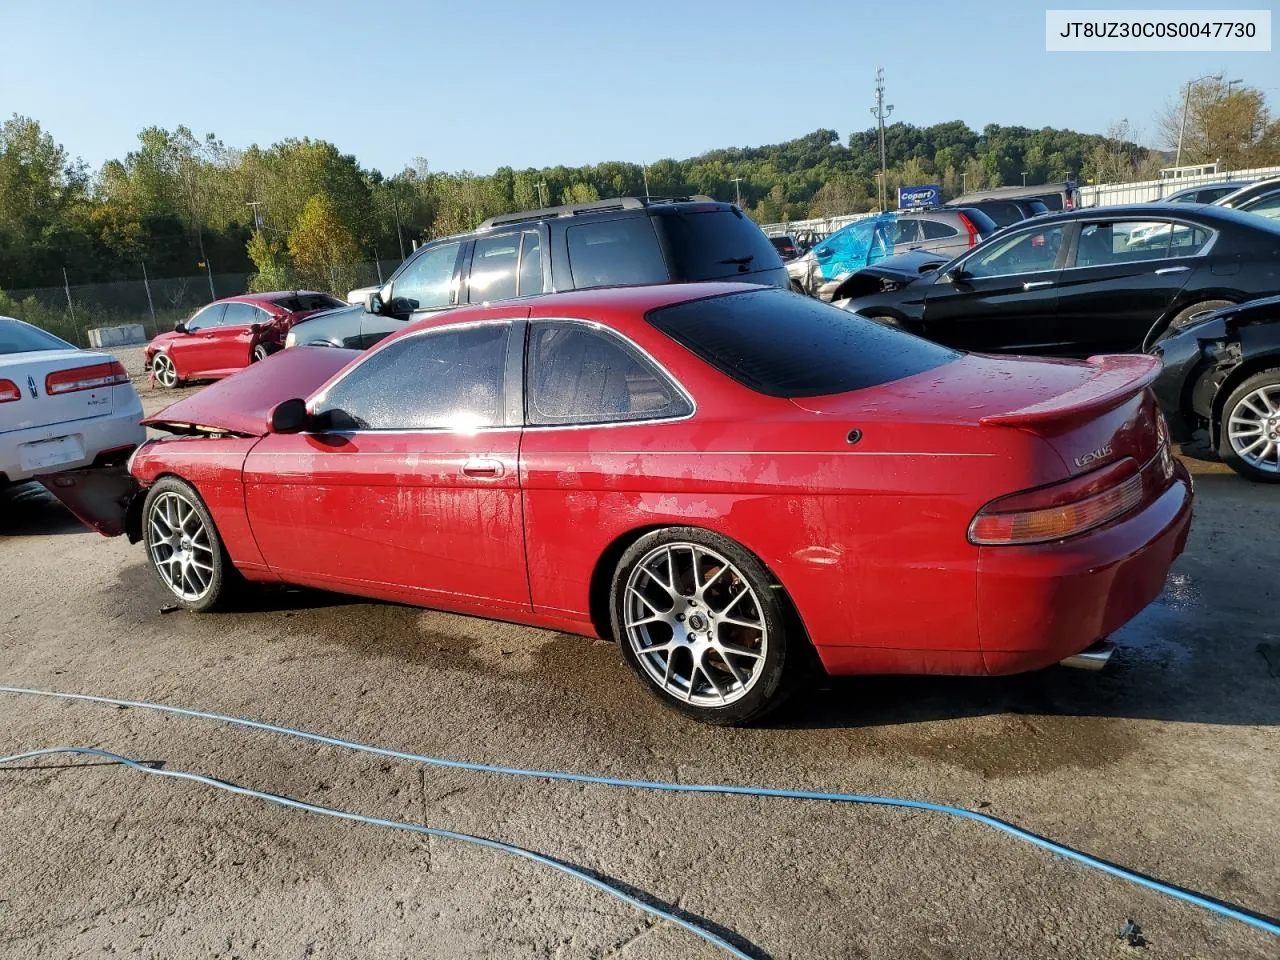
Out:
{"x": 154, "y": 303}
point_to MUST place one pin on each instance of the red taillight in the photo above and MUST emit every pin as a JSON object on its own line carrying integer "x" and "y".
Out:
{"x": 85, "y": 378}
{"x": 1066, "y": 509}
{"x": 974, "y": 235}
{"x": 9, "y": 391}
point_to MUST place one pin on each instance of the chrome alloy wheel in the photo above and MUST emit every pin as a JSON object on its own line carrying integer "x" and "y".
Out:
{"x": 695, "y": 624}
{"x": 166, "y": 373}
{"x": 1253, "y": 428}
{"x": 180, "y": 547}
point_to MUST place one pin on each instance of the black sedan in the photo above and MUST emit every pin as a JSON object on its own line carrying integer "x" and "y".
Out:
{"x": 1107, "y": 280}
{"x": 1222, "y": 373}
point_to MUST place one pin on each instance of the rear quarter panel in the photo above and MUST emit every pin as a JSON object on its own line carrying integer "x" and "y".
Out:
{"x": 869, "y": 540}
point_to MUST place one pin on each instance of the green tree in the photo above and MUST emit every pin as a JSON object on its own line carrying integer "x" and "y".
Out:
{"x": 322, "y": 249}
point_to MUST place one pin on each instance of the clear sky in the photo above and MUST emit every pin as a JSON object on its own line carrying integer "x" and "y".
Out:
{"x": 476, "y": 84}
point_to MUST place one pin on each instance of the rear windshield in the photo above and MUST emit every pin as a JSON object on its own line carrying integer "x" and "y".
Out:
{"x": 714, "y": 244}
{"x": 17, "y": 337}
{"x": 783, "y": 244}
{"x": 786, "y": 345}
{"x": 1037, "y": 207}
{"x": 980, "y": 220}
{"x": 301, "y": 303}
{"x": 1051, "y": 201}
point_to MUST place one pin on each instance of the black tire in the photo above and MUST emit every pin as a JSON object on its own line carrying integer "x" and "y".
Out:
{"x": 1186, "y": 315}
{"x": 223, "y": 580}
{"x": 1270, "y": 427}
{"x": 884, "y": 319}
{"x": 757, "y": 684}
{"x": 260, "y": 352}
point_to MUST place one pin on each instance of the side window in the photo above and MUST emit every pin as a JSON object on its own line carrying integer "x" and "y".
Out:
{"x": 1001, "y": 211}
{"x": 428, "y": 280}
{"x": 1122, "y": 241}
{"x": 1029, "y": 251}
{"x": 1267, "y": 205}
{"x": 238, "y": 315}
{"x": 210, "y": 316}
{"x": 933, "y": 230}
{"x": 530, "y": 265}
{"x": 579, "y": 375}
{"x": 611, "y": 252}
{"x": 908, "y": 231}
{"x": 493, "y": 268}
{"x": 1187, "y": 240}
{"x": 448, "y": 379}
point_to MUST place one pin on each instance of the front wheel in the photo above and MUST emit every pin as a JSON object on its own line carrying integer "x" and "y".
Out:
{"x": 260, "y": 352}
{"x": 184, "y": 548}
{"x": 165, "y": 372}
{"x": 1249, "y": 436}
{"x": 704, "y": 625}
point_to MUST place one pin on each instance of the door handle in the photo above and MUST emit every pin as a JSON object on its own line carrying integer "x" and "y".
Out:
{"x": 482, "y": 467}
{"x": 1037, "y": 284}
{"x": 1163, "y": 270}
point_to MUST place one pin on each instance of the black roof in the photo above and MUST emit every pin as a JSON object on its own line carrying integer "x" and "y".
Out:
{"x": 1207, "y": 212}
{"x": 594, "y": 206}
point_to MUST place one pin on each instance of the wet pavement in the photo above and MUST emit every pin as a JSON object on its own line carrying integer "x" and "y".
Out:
{"x": 1168, "y": 761}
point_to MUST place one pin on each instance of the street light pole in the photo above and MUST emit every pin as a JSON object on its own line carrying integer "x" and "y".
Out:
{"x": 737, "y": 190}
{"x": 1024, "y": 178}
{"x": 1186, "y": 103}
{"x": 881, "y": 111}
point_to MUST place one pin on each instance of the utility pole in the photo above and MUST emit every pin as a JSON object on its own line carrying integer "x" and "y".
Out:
{"x": 1186, "y": 103}
{"x": 963, "y": 185}
{"x": 66, "y": 287}
{"x": 155, "y": 328}
{"x": 257, "y": 214}
{"x": 540, "y": 185}
{"x": 881, "y": 112}
{"x": 737, "y": 190}
{"x": 395, "y": 206}
{"x": 644, "y": 172}
{"x": 1024, "y": 178}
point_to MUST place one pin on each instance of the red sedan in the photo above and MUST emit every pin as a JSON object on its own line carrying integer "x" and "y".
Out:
{"x": 229, "y": 334}
{"x": 716, "y": 475}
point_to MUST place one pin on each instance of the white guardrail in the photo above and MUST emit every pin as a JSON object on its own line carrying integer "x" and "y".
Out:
{"x": 1099, "y": 195}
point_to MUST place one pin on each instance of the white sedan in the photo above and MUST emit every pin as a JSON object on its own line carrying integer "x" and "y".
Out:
{"x": 61, "y": 407}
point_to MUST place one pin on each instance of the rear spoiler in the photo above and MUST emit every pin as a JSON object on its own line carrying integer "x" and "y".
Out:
{"x": 1116, "y": 378}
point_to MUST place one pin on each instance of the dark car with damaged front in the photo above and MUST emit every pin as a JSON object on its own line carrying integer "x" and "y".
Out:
{"x": 1222, "y": 374}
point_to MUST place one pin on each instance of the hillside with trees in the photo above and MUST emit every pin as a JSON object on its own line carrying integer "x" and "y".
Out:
{"x": 301, "y": 212}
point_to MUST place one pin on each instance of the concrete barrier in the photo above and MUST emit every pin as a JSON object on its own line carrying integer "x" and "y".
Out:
{"x": 117, "y": 336}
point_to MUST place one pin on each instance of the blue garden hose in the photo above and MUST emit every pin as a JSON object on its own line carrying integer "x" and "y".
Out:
{"x": 582, "y": 875}
{"x": 1258, "y": 921}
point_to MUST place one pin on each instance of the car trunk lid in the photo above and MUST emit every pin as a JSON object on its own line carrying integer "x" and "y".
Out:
{"x": 83, "y": 385}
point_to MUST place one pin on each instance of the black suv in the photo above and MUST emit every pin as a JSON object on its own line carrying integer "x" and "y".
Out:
{"x": 1007, "y": 212}
{"x": 605, "y": 243}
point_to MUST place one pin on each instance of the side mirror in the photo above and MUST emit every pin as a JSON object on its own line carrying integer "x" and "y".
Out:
{"x": 955, "y": 275}
{"x": 180, "y": 327}
{"x": 255, "y": 328}
{"x": 289, "y": 416}
{"x": 373, "y": 303}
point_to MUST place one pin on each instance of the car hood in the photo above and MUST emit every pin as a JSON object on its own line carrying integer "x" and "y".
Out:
{"x": 242, "y": 403}
{"x": 900, "y": 270}
{"x": 332, "y": 312}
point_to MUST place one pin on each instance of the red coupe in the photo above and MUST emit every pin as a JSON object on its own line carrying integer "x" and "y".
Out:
{"x": 229, "y": 334}
{"x": 716, "y": 475}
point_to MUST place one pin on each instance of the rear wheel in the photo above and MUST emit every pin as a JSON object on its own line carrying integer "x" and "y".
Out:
{"x": 1249, "y": 437}
{"x": 704, "y": 625}
{"x": 883, "y": 318}
{"x": 165, "y": 372}
{"x": 1184, "y": 317}
{"x": 184, "y": 548}
{"x": 260, "y": 352}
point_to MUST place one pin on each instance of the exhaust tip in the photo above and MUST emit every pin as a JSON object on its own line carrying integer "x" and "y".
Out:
{"x": 1092, "y": 658}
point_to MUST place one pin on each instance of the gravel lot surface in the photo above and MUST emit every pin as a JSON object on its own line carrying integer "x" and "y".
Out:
{"x": 1167, "y": 762}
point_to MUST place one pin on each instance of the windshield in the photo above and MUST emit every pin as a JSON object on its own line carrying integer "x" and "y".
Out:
{"x": 307, "y": 302}
{"x": 824, "y": 349}
{"x": 18, "y": 337}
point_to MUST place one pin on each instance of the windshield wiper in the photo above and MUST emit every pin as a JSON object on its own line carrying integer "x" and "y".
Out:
{"x": 741, "y": 261}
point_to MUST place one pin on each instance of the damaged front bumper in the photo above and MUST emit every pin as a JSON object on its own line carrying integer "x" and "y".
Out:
{"x": 107, "y": 499}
